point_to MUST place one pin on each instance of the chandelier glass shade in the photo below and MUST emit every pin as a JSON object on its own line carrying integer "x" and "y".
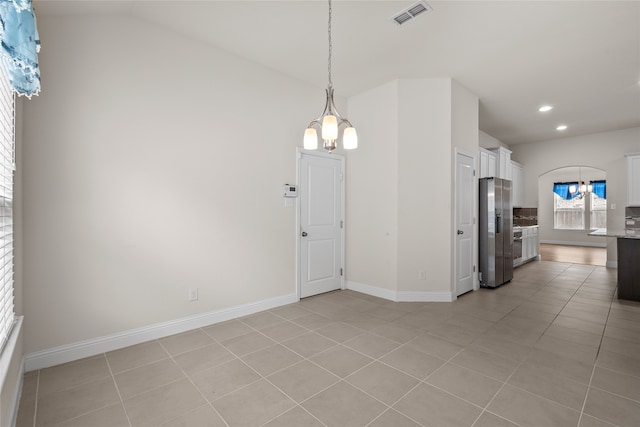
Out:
{"x": 330, "y": 121}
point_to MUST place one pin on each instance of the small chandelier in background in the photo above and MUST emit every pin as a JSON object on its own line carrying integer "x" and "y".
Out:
{"x": 330, "y": 120}
{"x": 581, "y": 188}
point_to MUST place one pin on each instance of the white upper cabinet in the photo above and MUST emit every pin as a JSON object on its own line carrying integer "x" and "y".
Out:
{"x": 503, "y": 162}
{"x": 487, "y": 163}
{"x": 633, "y": 179}
{"x": 496, "y": 162}
{"x": 517, "y": 176}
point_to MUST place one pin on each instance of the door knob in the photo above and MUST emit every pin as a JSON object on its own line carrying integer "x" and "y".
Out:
{"x": 460, "y": 232}
{"x": 304, "y": 234}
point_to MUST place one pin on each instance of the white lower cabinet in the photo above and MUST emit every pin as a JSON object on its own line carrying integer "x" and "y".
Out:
{"x": 526, "y": 244}
{"x": 530, "y": 244}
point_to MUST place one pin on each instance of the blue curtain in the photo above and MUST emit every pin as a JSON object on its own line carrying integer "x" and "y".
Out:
{"x": 562, "y": 189}
{"x": 20, "y": 45}
{"x": 599, "y": 188}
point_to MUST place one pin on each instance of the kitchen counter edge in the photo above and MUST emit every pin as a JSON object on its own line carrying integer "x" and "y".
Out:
{"x": 623, "y": 234}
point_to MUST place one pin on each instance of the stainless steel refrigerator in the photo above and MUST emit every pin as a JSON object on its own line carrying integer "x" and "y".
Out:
{"x": 496, "y": 232}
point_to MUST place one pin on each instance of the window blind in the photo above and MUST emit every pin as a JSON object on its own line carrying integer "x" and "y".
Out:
{"x": 7, "y": 167}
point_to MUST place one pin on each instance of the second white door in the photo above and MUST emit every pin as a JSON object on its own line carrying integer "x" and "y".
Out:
{"x": 465, "y": 195}
{"x": 321, "y": 224}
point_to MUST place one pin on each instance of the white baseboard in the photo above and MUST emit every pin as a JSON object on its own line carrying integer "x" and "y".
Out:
{"x": 372, "y": 290}
{"x": 402, "y": 296}
{"x": 79, "y": 350}
{"x": 570, "y": 243}
{"x": 425, "y": 296}
{"x": 612, "y": 264}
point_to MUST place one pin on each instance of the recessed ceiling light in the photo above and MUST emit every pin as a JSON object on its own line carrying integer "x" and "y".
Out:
{"x": 562, "y": 127}
{"x": 545, "y": 108}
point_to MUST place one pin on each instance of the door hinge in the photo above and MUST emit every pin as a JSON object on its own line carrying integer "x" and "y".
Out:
{"x": 474, "y": 172}
{"x": 341, "y": 272}
{"x": 341, "y": 224}
{"x": 474, "y": 268}
{"x": 341, "y": 177}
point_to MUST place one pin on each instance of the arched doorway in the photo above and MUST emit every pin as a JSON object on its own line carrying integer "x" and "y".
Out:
{"x": 565, "y": 220}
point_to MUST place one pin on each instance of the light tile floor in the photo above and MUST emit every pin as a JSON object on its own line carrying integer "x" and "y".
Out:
{"x": 552, "y": 348}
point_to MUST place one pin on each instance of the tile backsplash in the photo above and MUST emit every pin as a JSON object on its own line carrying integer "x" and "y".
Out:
{"x": 632, "y": 218}
{"x": 525, "y": 217}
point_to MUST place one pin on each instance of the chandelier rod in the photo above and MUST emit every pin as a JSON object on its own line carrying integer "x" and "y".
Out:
{"x": 330, "y": 46}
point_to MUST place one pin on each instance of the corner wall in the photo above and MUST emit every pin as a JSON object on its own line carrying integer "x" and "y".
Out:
{"x": 424, "y": 185}
{"x": 372, "y": 192}
{"x": 400, "y": 188}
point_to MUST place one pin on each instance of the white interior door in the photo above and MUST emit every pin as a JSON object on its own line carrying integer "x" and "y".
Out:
{"x": 320, "y": 256}
{"x": 465, "y": 196}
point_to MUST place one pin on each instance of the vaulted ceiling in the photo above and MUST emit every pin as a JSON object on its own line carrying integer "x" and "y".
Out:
{"x": 581, "y": 57}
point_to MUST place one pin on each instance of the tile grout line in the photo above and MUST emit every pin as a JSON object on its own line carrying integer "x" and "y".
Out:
{"x": 101, "y": 355}
{"x": 191, "y": 381}
{"x": 35, "y": 408}
{"x": 115, "y": 383}
{"x": 496, "y": 395}
{"x": 593, "y": 370}
{"x": 564, "y": 306}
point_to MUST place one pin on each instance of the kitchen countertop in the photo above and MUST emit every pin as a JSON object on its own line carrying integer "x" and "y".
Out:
{"x": 624, "y": 234}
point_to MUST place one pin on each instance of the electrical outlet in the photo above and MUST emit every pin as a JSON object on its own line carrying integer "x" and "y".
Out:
{"x": 422, "y": 275}
{"x": 193, "y": 294}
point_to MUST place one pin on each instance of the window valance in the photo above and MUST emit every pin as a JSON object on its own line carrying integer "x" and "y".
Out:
{"x": 562, "y": 189}
{"x": 20, "y": 45}
{"x": 599, "y": 188}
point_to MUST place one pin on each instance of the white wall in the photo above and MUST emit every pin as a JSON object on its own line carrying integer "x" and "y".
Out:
{"x": 488, "y": 141}
{"x": 153, "y": 164}
{"x": 603, "y": 151}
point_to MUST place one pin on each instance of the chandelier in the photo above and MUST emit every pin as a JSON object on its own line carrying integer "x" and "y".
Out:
{"x": 330, "y": 120}
{"x": 580, "y": 187}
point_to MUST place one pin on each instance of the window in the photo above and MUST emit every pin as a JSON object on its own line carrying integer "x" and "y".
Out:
{"x": 568, "y": 214}
{"x": 598, "y": 204}
{"x": 571, "y": 207}
{"x": 7, "y": 167}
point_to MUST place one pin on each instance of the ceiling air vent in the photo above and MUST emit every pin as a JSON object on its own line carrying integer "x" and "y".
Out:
{"x": 411, "y": 12}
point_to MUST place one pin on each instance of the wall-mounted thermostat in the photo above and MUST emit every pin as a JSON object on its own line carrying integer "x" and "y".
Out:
{"x": 290, "y": 190}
